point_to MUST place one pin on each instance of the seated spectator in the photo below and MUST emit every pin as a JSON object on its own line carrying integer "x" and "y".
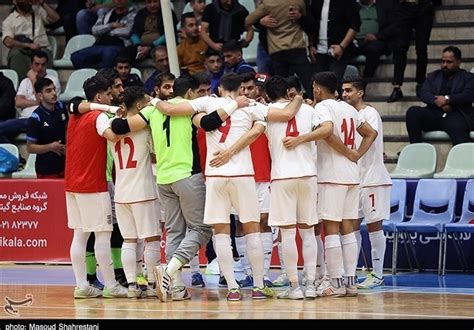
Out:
{"x": 23, "y": 32}
{"x": 191, "y": 50}
{"x": 124, "y": 68}
{"x": 112, "y": 31}
{"x": 214, "y": 68}
{"x": 86, "y": 18}
{"x": 377, "y": 32}
{"x": 67, "y": 11}
{"x": 164, "y": 86}
{"x": 223, "y": 21}
{"x": 46, "y": 132}
{"x": 233, "y": 58}
{"x": 448, "y": 93}
{"x": 160, "y": 59}
{"x": 204, "y": 88}
{"x": 7, "y": 104}
{"x": 148, "y": 30}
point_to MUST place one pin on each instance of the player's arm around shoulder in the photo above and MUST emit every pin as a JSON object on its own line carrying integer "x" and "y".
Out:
{"x": 288, "y": 112}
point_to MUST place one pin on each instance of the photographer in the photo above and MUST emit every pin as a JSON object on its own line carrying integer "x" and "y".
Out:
{"x": 23, "y": 32}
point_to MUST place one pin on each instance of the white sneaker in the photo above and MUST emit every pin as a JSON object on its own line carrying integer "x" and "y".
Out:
{"x": 238, "y": 267}
{"x": 371, "y": 281}
{"x": 326, "y": 289}
{"x": 304, "y": 278}
{"x": 293, "y": 294}
{"x": 151, "y": 291}
{"x": 135, "y": 292}
{"x": 163, "y": 283}
{"x": 89, "y": 292}
{"x": 180, "y": 293}
{"x": 310, "y": 291}
{"x": 281, "y": 280}
{"x": 213, "y": 268}
{"x": 116, "y": 291}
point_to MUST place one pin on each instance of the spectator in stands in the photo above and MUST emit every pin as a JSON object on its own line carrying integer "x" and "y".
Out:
{"x": 260, "y": 81}
{"x": 46, "y": 132}
{"x": 24, "y": 32}
{"x": 377, "y": 32}
{"x": 160, "y": 59}
{"x": 198, "y": 7}
{"x": 164, "y": 86}
{"x": 86, "y": 18}
{"x": 124, "y": 68}
{"x": 67, "y": 11}
{"x": 148, "y": 30}
{"x": 112, "y": 31}
{"x": 191, "y": 50}
{"x": 222, "y": 21}
{"x": 411, "y": 15}
{"x": 448, "y": 93}
{"x": 204, "y": 88}
{"x": 337, "y": 23}
{"x": 7, "y": 105}
{"x": 233, "y": 58}
{"x": 214, "y": 68}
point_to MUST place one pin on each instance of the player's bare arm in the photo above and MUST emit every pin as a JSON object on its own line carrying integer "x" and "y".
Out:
{"x": 368, "y": 137}
{"x": 288, "y": 112}
{"x": 321, "y": 132}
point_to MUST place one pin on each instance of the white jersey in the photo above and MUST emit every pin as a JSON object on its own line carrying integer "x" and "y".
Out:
{"x": 297, "y": 162}
{"x": 332, "y": 166}
{"x": 371, "y": 165}
{"x": 230, "y": 131}
{"x": 133, "y": 173}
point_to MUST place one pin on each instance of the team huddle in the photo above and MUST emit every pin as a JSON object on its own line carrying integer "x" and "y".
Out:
{"x": 325, "y": 167}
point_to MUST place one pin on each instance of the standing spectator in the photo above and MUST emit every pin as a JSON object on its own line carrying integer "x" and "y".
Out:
{"x": 148, "y": 30}
{"x": 222, "y": 21}
{"x": 411, "y": 15}
{"x": 377, "y": 32}
{"x": 337, "y": 22}
{"x": 46, "y": 132}
{"x": 233, "y": 58}
{"x": 191, "y": 50}
{"x": 162, "y": 64}
{"x": 214, "y": 69}
{"x": 86, "y": 18}
{"x": 23, "y": 32}
{"x": 124, "y": 68}
{"x": 198, "y": 7}
{"x": 7, "y": 105}
{"x": 448, "y": 93}
{"x": 112, "y": 31}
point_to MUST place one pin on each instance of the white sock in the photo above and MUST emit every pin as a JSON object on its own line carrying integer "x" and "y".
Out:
{"x": 177, "y": 279}
{"x": 240, "y": 243}
{"x": 152, "y": 256}
{"x": 140, "y": 256}
{"x": 173, "y": 266}
{"x": 334, "y": 256}
{"x": 378, "y": 243}
{"x": 78, "y": 257}
{"x": 310, "y": 252}
{"x": 194, "y": 264}
{"x": 280, "y": 256}
{"x": 359, "y": 241}
{"x": 349, "y": 254}
{"x": 129, "y": 261}
{"x": 320, "y": 262}
{"x": 267, "y": 244}
{"x": 104, "y": 257}
{"x": 290, "y": 254}
{"x": 255, "y": 255}
{"x": 223, "y": 247}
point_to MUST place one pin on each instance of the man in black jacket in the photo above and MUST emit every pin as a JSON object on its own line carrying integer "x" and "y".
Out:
{"x": 7, "y": 108}
{"x": 449, "y": 93}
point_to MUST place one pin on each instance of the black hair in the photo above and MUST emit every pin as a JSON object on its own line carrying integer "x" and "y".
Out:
{"x": 94, "y": 85}
{"x": 183, "y": 84}
{"x": 202, "y": 77}
{"x": 356, "y": 81}
{"x": 186, "y": 15}
{"x": 211, "y": 52}
{"x": 276, "y": 87}
{"x": 455, "y": 50}
{"x": 230, "y": 82}
{"x": 232, "y": 46}
{"x": 42, "y": 83}
{"x": 123, "y": 59}
{"x": 133, "y": 94}
{"x": 162, "y": 77}
{"x": 40, "y": 54}
{"x": 108, "y": 73}
{"x": 248, "y": 76}
{"x": 294, "y": 82}
{"x": 326, "y": 79}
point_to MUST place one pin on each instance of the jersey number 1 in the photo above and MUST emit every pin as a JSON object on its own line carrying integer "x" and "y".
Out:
{"x": 349, "y": 133}
{"x": 130, "y": 162}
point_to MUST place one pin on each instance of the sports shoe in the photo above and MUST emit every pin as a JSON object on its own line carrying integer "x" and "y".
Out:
{"x": 89, "y": 292}
{"x": 116, "y": 291}
{"x": 281, "y": 280}
{"x": 238, "y": 267}
{"x": 246, "y": 281}
{"x": 97, "y": 284}
{"x": 351, "y": 291}
{"x": 371, "y": 281}
{"x": 141, "y": 280}
{"x": 293, "y": 294}
{"x": 180, "y": 293}
{"x": 213, "y": 268}
{"x": 234, "y": 294}
{"x": 163, "y": 283}
{"x": 222, "y": 281}
{"x": 310, "y": 291}
{"x": 262, "y": 293}
{"x": 135, "y": 292}
{"x": 267, "y": 282}
{"x": 197, "y": 280}
{"x": 120, "y": 277}
{"x": 326, "y": 289}
{"x": 151, "y": 290}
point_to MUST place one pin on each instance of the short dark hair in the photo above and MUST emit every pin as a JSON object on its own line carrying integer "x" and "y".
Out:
{"x": 186, "y": 15}
{"x": 248, "y": 76}
{"x": 40, "y": 54}
{"x": 326, "y": 79}
{"x": 160, "y": 47}
{"x": 230, "y": 82}
{"x": 164, "y": 76}
{"x": 202, "y": 77}
{"x": 294, "y": 82}
{"x": 42, "y": 83}
{"x": 455, "y": 50}
{"x": 183, "y": 84}
{"x": 108, "y": 73}
{"x": 276, "y": 87}
{"x": 232, "y": 46}
{"x": 133, "y": 94}
{"x": 211, "y": 52}
{"x": 123, "y": 59}
{"x": 94, "y": 85}
{"x": 357, "y": 82}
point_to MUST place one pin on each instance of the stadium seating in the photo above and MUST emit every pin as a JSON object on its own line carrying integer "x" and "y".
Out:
{"x": 52, "y": 72}
{"x": 77, "y": 42}
{"x": 250, "y": 53}
{"x": 74, "y": 84}
{"x": 137, "y": 72}
{"x": 29, "y": 172}
{"x": 460, "y": 162}
{"x": 416, "y": 161}
{"x": 12, "y": 75}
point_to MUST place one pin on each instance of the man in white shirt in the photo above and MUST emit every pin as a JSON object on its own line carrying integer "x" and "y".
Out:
{"x": 375, "y": 182}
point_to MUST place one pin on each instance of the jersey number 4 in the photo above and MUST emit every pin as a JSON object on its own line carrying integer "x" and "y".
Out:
{"x": 349, "y": 133}
{"x": 118, "y": 149}
{"x": 224, "y": 129}
{"x": 291, "y": 128}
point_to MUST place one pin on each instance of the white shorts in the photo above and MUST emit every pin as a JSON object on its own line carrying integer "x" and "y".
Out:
{"x": 138, "y": 220}
{"x": 293, "y": 201}
{"x": 89, "y": 212}
{"x": 223, "y": 193}
{"x": 337, "y": 202}
{"x": 374, "y": 204}
{"x": 263, "y": 193}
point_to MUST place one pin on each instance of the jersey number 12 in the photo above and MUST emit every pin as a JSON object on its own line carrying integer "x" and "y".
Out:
{"x": 118, "y": 149}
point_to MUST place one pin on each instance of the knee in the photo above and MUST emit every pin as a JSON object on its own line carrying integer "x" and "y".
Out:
{"x": 413, "y": 112}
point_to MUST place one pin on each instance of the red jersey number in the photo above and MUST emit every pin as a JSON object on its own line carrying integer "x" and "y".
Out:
{"x": 131, "y": 163}
{"x": 224, "y": 129}
{"x": 291, "y": 128}
{"x": 349, "y": 133}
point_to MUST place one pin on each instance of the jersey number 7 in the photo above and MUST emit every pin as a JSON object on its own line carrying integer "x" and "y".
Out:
{"x": 224, "y": 129}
